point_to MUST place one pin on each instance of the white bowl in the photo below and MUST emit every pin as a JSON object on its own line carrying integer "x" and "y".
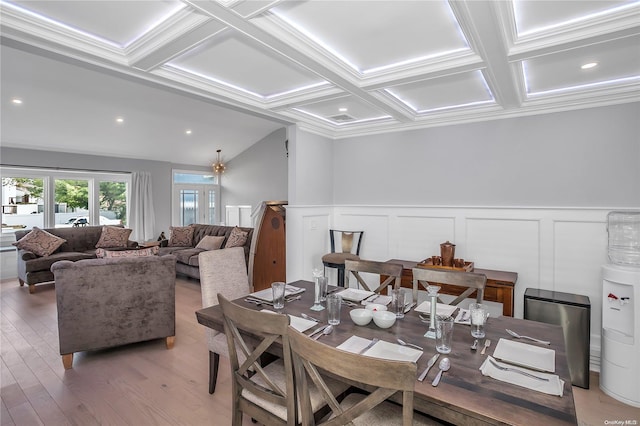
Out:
{"x": 384, "y": 319}
{"x": 376, "y": 307}
{"x": 361, "y": 316}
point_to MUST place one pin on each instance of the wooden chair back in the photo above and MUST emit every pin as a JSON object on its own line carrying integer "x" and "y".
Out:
{"x": 392, "y": 270}
{"x": 382, "y": 377}
{"x": 472, "y": 282}
{"x": 251, "y": 333}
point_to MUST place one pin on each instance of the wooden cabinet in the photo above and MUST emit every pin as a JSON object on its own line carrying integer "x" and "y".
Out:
{"x": 267, "y": 259}
{"x": 499, "y": 288}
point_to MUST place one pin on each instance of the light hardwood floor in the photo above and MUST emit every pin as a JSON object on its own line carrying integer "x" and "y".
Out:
{"x": 144, "y": 383}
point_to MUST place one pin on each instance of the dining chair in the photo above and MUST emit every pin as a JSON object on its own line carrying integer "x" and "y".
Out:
{"x": 473, "y": 282}
{"x": 221, "y": 272}
{"x": 314, "y": 360}
{"x": 266, "y": 393}
{"x": 392, "y": 270}
{"x": 349, "y": 249}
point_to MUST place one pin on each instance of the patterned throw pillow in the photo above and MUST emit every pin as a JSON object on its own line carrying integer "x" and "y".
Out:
{"x": 149, "y": 251}
{"x": 237, "y": 238}
{"x": 181, "y": 236}
{"x": 113, "y": 236}
{"x": 210, "y": 242}
{"x": 39, "y": 242}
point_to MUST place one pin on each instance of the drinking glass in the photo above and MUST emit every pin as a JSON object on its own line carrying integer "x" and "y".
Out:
{"x": 278, "y": 294}
{"x": 334, "y": 303}
{"x": 479, "y": 315}
{"x": 321, "y": 282}
{"x": 444, "y": 334}
{"x": 397, "y": 302}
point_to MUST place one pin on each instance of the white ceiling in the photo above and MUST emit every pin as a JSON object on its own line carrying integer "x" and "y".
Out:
{"x": 234, "y": 71}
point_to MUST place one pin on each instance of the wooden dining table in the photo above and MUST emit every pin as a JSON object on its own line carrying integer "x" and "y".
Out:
{"x": 464, "y": 395}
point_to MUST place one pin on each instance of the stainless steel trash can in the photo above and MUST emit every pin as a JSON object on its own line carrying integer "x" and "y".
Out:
{"x": 573, "y": 313}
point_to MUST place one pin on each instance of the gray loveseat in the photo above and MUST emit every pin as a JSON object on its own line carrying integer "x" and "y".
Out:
{"x": 81, "y": 244}
{"x": 110, "y": 302}
{"x": 187, "y": 256}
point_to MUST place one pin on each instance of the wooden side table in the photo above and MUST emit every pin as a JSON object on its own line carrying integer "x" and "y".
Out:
{"x": 499, "y": 288}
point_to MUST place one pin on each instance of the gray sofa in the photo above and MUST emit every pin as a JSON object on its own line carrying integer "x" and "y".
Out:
{"x": 187, "y": 256}
{"x": 81, "y": 244}
{"x": 110, "y": 302}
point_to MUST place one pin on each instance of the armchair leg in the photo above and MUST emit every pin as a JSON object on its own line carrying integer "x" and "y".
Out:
{"x": 214, "y": 362}
{"x": 169, "y": 341}
{"x": 67, "y": 361}
{"x": 32, "y": 288}
{"x": 21, "y": 282}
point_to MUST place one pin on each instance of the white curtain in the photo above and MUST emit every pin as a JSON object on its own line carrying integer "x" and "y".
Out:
{"x": 141, "y": 217}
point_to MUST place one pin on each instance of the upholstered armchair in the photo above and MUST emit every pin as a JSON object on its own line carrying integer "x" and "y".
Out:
{"x": 110, "y": 302}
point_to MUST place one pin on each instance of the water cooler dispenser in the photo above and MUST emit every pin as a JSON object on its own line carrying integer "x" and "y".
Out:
{"x": 620, "y": 342}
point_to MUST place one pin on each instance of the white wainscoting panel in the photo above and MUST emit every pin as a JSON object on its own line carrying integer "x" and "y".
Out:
{"x": 506, "y": 245}
{"x": 580, "y": 250}
{"x": 419, "y": 237}
{"x": 556, "y": 249}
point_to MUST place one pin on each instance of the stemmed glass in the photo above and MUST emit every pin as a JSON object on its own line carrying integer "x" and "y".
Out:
{"x": 318, "y": 274}
{"x": 432, "y": 294}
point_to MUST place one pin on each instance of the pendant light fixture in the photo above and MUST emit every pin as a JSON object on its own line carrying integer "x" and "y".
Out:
{"x": 218, "y": 167}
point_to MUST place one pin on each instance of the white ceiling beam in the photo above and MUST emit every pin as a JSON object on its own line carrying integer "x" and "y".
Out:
{"x": 479, "y": 22}
{"x": 234, "y": 21}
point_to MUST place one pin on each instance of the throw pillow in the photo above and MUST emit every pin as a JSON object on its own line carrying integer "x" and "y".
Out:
{"x": 237, "y": 238}
{"x": 113, "y": 236}
{"x": 210, "y": 242}
{"x": 181, "y": 236}
{"x": 149, "y": 251}
{"x": 39, "y": 242}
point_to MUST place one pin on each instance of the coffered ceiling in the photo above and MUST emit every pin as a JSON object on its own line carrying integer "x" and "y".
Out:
{"x": 345, "y": 68}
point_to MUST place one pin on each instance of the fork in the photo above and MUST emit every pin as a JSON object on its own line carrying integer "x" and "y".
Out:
{"x": 487, "y": 343}
{"x": 519, "y": 336}
{"x": 515, "y": 370}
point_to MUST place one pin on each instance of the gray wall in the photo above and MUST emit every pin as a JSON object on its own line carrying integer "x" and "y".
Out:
{"x": 257, "y": 174}
{"x": 583, "y": 158}
{"x": 311, "y": 168}
{"x": 160, "y": 172}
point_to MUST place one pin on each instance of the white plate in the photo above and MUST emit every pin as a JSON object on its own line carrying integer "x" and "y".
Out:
{"x": 300, "y": 324}
{"x": 267, "y": 293}
{"x": 441, "y": 308}
{"x": 531, "y": 356}
{"x": 382, "y": 349}
{"x": 355, "y": 294}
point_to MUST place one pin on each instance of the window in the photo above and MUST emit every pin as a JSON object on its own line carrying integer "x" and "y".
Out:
{"x": 58, "y": 198}
{"x": 195, "y": 197}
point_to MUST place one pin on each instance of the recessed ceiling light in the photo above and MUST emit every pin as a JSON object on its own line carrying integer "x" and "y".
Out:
{"x": 188, "y": 131}
{"x": 16, "y": 101}
{"x": 343, "y": 109}
{"x": 119, "y": 120}
{"x": 589, "y": 65}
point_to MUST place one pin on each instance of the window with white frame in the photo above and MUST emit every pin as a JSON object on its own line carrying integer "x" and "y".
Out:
{"x": 196, "y": 196}
{"x": 61, "y": 198}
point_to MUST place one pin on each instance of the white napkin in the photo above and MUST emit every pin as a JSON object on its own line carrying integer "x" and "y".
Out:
{"x": 441, "y": 308}
{"x": 354, "y": 344}
{"x": 379, "y": 299}
{"x": 382, "y": 349}
{"x": 554, "y": 386}
{"x": 300, "y": 324}
{"x": 267, "y": 293}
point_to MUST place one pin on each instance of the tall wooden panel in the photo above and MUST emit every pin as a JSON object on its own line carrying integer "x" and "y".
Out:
{"x": 267, "y": 260}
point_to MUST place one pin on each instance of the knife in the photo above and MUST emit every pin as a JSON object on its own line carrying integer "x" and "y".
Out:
{"x": 317, "y": 330}
{"x": 430, "y": 364}
{"x": 366, "y": 348}
{"x": 408, "y": 307}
